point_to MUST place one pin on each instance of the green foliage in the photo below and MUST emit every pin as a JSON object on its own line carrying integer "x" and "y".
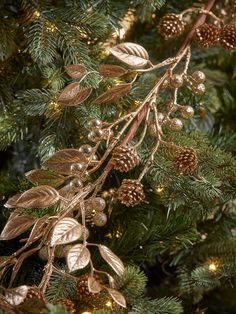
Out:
{"x": 55, "y": 309}
{"x": 60, "y": 287}
{"x": 132, "y": 283}
{"x": 35, "y": 101}
{"x": 158, "y": 306}
{"x": 7, "y": 45}
{"x": 147, "y": 7}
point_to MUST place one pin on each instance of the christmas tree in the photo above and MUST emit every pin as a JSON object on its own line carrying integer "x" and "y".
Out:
{"x": 118, "y": 175}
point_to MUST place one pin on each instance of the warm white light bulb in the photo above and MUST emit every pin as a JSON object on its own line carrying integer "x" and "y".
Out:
{"x": 109, "y": 304}
{"x": 212, "y": 267}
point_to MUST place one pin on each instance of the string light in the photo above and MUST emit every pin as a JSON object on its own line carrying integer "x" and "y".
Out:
{"x": 212, "y": 267}
{"x": 159, "y": 189}
{"x": 118, "y": 234}
{"x": 50, "y": 27}
{"x": 109, "y": 304}
{"x": 36, "y": 14}
{"x": 54, "y": 106}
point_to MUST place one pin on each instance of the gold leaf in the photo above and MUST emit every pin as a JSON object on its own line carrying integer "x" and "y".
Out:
{"x": 113, "y": 94}
{"x": 69, "y": 92}
{"x": 65, "y": 231}
{"x": 67, "y": 192}
{"x": 111, "y": 281}
{"x": 110, "y": 70}
{"x": 62, "y": 160}
{"x": 42, "y": 176}
{"x": 132, "y": 54}
{"x": 113, "y": 260}
{"x": 38, "y": 197}
{"x": 17, "y": 295}
{"x": 117, "y": 297}
{"x": 80, "y": 97}
{"x": 37, "y": 230}
{"x": 78, "y": 257}
{"x": 12, "y": 201}
{"x": 16, "y": 226}
{"x": 75, "y": 70}
{"x": 93, "y": 285}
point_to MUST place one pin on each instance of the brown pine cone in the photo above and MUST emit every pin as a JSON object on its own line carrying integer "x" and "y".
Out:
{"x": 83, "y": 291}
{"x": 185, "y": 160}
{"x": 171, "y": 25}
{"x": 34, "y": 293}
{"x": 207, "y": 35}
{"x": 228, "y": 37}
{"x": 124, "y": 158}
{"x": 67, "y": 304}
{"x": 131, "y": 192}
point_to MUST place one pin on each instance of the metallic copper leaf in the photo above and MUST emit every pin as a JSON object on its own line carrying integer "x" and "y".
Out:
{"x": 69, "y": 92}
{"x": 78, "y": 257}
{"x": 17, "y": 295}
{"x": 117, "y": 297}
{"x": 110, "y": 70}
{"x": 75, "y": 70}
{"x": 132, "y": 54}
{"x": 38, "y": 197}
{"x": 80, "y": 97}
{"x": 66, "y": 230}
{"x": 67, "y": 192}
{"x": 42, "y": 176}
{"x": 111, "y": 281}
{"x": 113, "y": 94}
{"x": 93, "y": 285}
{"x": 113, "y": 260}
{"x": 62, "y": 160}
{"x": 12, "y": 201}
{"x": 16, "y": 226}
{"x": 37, "y": 230}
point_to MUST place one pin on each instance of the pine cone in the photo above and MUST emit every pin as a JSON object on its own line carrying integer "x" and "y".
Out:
{"x": 83, "y": 291}
{"x": 131, "y": 192}
{"x": 207, "y": 35}
{"x": 185, "y": 160}
{"x": 67, "y": 304}
{"x": 228, "y": 37}
{"x": 171, "y": 25}
{"x": 34, "y": 293}
{"x": 124, "y": 158}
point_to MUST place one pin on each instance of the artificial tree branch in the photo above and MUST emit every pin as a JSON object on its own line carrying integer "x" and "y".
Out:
{"x": 181, "y": 52}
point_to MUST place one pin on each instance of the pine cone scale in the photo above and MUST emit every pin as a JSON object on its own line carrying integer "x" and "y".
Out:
{"x": 186, "y": 160}
{"x": 131, "y": 192}
{"x": 124, "y": 158}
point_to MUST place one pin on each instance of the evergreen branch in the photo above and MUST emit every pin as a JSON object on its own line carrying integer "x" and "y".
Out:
{"x": 42, "y": 43}
{"x": 34, "y": 101}
{"x": 158, "y": 306}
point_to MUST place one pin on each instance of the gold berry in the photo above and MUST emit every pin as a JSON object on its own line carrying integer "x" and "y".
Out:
{"x": 176, "y": 81}
{"x": 198, "y": 77}
{"x": 187, "y": 112}
{"x": 175, "y": 124}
